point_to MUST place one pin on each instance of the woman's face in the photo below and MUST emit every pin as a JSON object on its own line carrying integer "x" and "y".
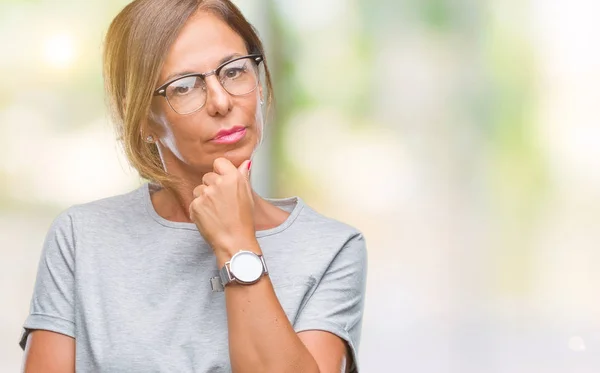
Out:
{"x": 186, "y": 142}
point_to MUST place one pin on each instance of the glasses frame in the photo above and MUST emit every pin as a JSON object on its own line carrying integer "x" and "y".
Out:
{"x": 162, "y": 90}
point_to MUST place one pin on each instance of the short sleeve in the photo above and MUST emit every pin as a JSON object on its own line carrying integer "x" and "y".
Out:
{"x": 52, "y": 302}
{"x": 337, "y": 303}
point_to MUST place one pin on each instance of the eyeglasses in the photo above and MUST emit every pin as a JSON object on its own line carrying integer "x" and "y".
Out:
{"x": 187, "y": 93}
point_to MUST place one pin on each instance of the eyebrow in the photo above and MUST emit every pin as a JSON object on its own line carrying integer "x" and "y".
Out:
{"x": 186, "y": 72}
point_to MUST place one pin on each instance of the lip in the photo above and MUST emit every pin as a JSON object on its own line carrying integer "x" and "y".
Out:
{"x": 229, "y": 136}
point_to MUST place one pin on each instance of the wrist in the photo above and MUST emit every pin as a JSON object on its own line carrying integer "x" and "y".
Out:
{"x": 225, "y": 252}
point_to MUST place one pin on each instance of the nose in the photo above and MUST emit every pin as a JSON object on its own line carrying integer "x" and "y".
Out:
{"x": 218, "y": 100}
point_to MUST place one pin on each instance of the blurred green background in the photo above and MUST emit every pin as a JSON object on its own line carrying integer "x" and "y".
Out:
{"x": 462, "y": 137}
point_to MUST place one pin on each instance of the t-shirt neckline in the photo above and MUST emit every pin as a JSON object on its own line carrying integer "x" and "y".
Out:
{"x": 295, "y": 201}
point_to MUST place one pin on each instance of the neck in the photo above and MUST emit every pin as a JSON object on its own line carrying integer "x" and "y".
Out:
{"x": 173, "y": 204}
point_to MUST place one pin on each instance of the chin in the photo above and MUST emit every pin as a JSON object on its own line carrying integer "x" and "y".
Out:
{"x": 237, "y": 156}
{"x": 240, "y": 153}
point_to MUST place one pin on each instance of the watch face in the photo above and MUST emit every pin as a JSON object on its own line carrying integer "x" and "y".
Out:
{"x": 246, "y": 266}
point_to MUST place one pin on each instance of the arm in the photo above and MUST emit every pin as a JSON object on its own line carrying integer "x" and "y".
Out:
{"x": 262, "y": 339}
{"x": 48, "y": 336}
{"x": 49, "y": 352}
{"x": 328, "y": 349}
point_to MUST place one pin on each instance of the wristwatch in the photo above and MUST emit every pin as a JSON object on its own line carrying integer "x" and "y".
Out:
{"x": 245, "y": 268}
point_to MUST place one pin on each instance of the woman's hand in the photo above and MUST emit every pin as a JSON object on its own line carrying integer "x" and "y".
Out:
{"x": 223, "y": 208}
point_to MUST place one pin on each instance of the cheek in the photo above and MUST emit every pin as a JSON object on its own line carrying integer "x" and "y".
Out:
{"x": 182, "y": 131}
{"x": 255, "y": 113}
{"x": 160, "y": 116}
{"x": 180, "y": 136}
{"x": 172, "y": 128}
{"x": 250, "y": 109}
{"x": 172, "y": 125}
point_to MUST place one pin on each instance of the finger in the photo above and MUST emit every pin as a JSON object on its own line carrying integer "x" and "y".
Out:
{"x": 192, "y": 208}
{"x": 244, "y": 168}
{"x": 223, "y": 166}
{"x": 199, "y": 190}
{"x": 210, "y": 178}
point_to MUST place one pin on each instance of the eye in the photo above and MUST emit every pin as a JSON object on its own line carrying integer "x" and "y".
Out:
{"x": 185, "y": 86}
{"x": 181, "y": 90}
{"x": 234, "y": 72}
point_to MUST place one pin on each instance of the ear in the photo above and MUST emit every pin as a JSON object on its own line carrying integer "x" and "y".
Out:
{"x": 153, "y": 123}
{"x": 151, "y": 126}
{"x": 145, "y": 131}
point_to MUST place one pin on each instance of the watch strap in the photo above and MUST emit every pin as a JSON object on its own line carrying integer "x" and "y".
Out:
{"x": 216, "y": 285}
{"x": 225, "y": 275}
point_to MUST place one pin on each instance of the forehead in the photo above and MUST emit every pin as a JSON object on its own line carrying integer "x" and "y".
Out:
{"x": 204, "y": 40}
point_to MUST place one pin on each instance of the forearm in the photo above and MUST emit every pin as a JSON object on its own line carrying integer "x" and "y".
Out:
{"x": 261, "y": 338}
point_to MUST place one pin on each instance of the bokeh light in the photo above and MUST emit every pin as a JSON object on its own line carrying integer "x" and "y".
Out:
{"x": 59, "y": 50}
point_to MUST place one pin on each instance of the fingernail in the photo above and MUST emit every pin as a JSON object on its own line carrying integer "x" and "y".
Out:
{"x": 249, "y": 164}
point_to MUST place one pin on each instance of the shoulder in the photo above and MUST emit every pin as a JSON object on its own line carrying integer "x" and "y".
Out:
{"x": 332, "y": 236}
{"x": 115, "y": 209}
{"x": 326, "y": 226}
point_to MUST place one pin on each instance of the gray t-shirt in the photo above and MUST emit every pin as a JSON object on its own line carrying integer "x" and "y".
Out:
{"x": 133, "y": 288}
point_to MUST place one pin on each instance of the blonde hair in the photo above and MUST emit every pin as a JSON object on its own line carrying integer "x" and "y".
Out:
{"x": 135, "y": 48}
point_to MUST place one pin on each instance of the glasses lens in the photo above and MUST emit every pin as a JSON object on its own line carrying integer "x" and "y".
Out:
{"x": 186, "y": 95}
{"x": 239, "y": 77}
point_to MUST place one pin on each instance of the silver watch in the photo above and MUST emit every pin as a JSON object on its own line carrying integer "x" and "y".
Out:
{"x": 245, "y": 268}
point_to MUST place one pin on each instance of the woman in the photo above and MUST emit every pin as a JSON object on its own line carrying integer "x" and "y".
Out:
{"x": 193, "y": 271}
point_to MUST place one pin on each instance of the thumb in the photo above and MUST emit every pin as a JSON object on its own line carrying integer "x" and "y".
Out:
{"x": 245, "y": 168}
